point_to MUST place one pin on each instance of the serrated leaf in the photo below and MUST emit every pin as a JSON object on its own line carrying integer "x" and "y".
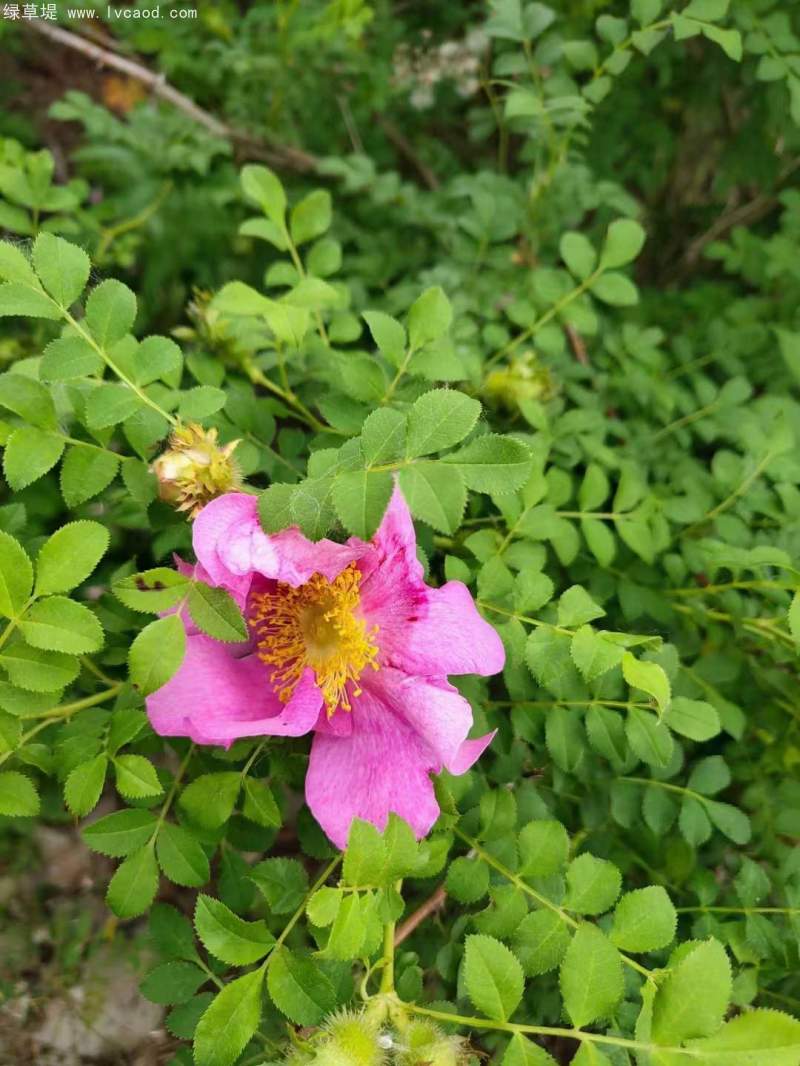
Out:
{"x": 230, "y": 1021}
{"x": 136, "y": 777}
{"x": 590, "y": 977}
{"x": 361, "y": 498}
{"x": 649, "y": 677}
{"x": 120, "y": 833}
{"x": 593, "y": 885}
{"x": 692, "y": 1000}
{"x": 156, "y": 654}
{"x": 298, "y": 988}
{"x": 181, "y": 856}
{"x": 84, "y": 785}
{"x": 57, "y": 623}
{"x": 110, "y": 312}
{"x": 63, "y": 268}
{"x": 18, "y": 796}
{"x": 215, "y": 612}
{"x": 439, "y": 419}
{"x": 69, "y": 556}
{"x": 644, "y": 920}
{"x": 85, "y": 472}
{"x": 227, "y": 936}
{"x": 209, "y": 799}
{"x": 134, "y": 885}
{"x": 383, "y": 436}
{"x": 493, "y": 977}
{"x": 16, "y": 576}
{"x": 36, "y": 669}
{"x": 152, "y": 590}
{"x": 29, "y": 454}
{"x": 429, "y": 317}
{"x": 492, "y": 463}
{"x": 435, "y": 494}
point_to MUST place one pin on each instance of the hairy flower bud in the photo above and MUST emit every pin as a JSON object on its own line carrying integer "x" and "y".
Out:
{"x": 350, "y": 1040}
{"x": 424, "y": 1044}
{"x": 195, "y": 469}
{"x": 523, "y": 379}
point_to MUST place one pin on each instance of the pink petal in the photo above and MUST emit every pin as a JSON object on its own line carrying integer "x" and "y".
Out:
{"x": 382, "y": 766}
{"x": 469, "y": 753}
{"x": 216, "y": 697}
{"x": 300, "y": 558}
{"x": 230, "y": 544}
{"x": 435, "y": 710}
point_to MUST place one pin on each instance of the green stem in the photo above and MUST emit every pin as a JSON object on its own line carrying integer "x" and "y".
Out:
{"x": 387, "y": 975}
{"x": 57, "y": 713}
{"x": 543, "y": 901}
{"x": 295, "y": 918}
{"x": 172, "y": 792}
{"x": 469, "y": 1022}
{"x": 258, "y": 377}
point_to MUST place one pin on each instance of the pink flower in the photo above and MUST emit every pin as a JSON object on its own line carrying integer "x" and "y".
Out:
{"x": 347, "y": 640}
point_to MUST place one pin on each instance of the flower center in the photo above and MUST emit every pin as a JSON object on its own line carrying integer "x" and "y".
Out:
{"x": 316, "y": 625}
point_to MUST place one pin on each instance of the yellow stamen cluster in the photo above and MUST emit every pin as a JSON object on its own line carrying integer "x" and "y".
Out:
{"x": 316, "y": 625}
{"x": 196, "y": 469}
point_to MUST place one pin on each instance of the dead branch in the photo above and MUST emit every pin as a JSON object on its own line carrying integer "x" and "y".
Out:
{"x": 429, "y": 907}
{"x": 278, "y": 155}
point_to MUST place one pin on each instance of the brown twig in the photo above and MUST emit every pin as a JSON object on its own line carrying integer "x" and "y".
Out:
{"x": 577, "y": 343}
{"x": 404, "y": 148}
{"x": 429, "y": 907}
{"x": 278, "y": 155}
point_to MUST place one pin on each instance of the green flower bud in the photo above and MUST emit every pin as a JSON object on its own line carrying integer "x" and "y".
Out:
{"x": 350, "y": 1040}
{"x": 424, "y": 1044}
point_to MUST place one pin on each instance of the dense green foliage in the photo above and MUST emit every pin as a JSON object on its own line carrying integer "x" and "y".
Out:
{"x": 568, "y": 326}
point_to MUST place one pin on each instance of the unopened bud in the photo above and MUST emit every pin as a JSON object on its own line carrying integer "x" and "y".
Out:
{"x": 350, "y": 1040}
{"x": 195, "y": 469}
{"x": 523, "y": 379}
{"x": 424, "y": 1044}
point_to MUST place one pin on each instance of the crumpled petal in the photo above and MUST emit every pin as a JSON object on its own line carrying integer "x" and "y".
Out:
{"x": 422, "y": 630}
{"x": 436, "y": 711}
{"x": 383, "y": 766}
{"x": 215, "y": 698}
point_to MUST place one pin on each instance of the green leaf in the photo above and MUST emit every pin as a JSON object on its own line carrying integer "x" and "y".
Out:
{"x": 259, "y": 804}
{"x": 175, "y": 981}
{"x": 467, "y": 879}
{"x": 492, "y": 463}
{"x": 85, "y": 472}
{"x": 282, "y": 882}
{"x": 299, "y": 989}
{"x": 730, "y": 820}
{"x": 229, "y": 937}
{"x": 14, "y": 264}
{"x": 590, "y": 977}
{"x": 16, "y": 576}
{"x": 644, "y": 920}
{"x": 522, "y": 1052}
{"x": 84, "y": 785}
{"x": 18, "y": 796}
{"x": 759, "y": 1037}
{"x": 69, "y": 357}
{"x": 59, "y": 624}
{"x": 383, "y": 436}
{"x": 110, "y": 312}
{"x": 594, "y": 653}
{"x": 439, "y": 419}
{"x": 579, "y": 255}
{"x": 706, "y": 10}
{"x": 28, "y": 399}
{"x": 36, "y": 669}
{"x": 543, "y": 848}
{"x": 576, "y": 607}
{"x": 109, "y": 404}
{"x": 349, "y": 928}
{"x": 133, "y": 887}
{"x": 693, "y": 999}
{"x": 593, "y": 885}
{"x": 209, "y": 800}
{"x": 29, "y": 454}
{"x": 564, "y": 734}
{"x": 493, "y": 977}
{"x": 232, "y": 1018}
{"x": 18, "y": 298}
{"x": 540, "y": 940}
{"x": 156, "y": 654}
{"x": 615, "y": 289}
{"x": 360, "y": 499}
{"x": 695, "y": 719}
{"x": 136, "y": 777}
{"x": 157, "y": 358}
{"x": 649, "y": 677}
{"x": 311, "y": 216}
{"x": 214, "y": 611}
{"x": 650, "y": 740}
{"x": 624, "y": 241}
{"x": 324, "y": 905}
{"x": 120, "y": 833}
{"x": 263, "y": 188}
{"x": 69, "y": 556}
{"x": 181, "y": 857}
{"x": 171, "y": 933}
{"x": 388, "y": 334}
{"x": 63, "y": 268}
{"x": 429, "y": 317}
{"x": 182, "y": 1020}
{"x": 152, "y": 590}
{"x": 435, "y": 494}
{"x": 594, "y": 488}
